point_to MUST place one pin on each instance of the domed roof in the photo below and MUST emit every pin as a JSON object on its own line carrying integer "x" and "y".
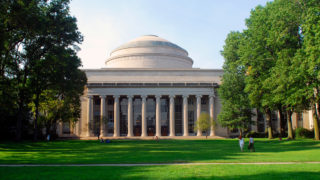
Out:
{"x": 149, "y": 51}
{"x": 148, "y": 41}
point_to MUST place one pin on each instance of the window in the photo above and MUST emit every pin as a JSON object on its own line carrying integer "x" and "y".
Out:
{"x": 110, "y": 101}
{"x": 190, "y": 101}
{"x": 97, "y": 101}
{"x": 203, "y": 101}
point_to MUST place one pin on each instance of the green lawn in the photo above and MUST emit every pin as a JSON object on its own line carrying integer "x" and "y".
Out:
{"x": 164, "y": 151}
{"x": 229, "y": 172}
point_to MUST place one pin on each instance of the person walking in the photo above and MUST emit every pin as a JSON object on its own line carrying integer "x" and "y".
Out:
{"x": 241, "y": 143}
{"x": 251, "y": 144}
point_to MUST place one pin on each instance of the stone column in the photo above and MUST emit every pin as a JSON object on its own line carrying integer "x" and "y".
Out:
{"x": 116, "y": 122}
{"x": 172, "y": 130}
{"x": 143, "y": 116}
{"x": 211, "y": 111}
{"x": 130, "y": 116}
{"x": 89, "y": 114}
{"x": 102, "y": 114}
{"x": 185, "y": 115}
{"x": 199, "y": 133}
{"x": 158, "y": 117}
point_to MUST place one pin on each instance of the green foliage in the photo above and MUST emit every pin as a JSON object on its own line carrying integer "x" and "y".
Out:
{"x": 236, "y": 109}
{"x": 304, "y": 133}
{"x": 38, "y": 52}
{"x": 279, "y": 52}
{"x": 256, "y": 135}
{"x": 203, "y": 123}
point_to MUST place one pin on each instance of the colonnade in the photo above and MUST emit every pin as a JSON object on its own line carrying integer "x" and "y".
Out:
{"x": 143, "y": 114}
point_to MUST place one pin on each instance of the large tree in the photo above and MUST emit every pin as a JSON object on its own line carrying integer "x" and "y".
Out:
{"x": 308, "y": 59}
{"x": 236, "y": 109}
{"x": 259, "y": 56}
{"x": 33, "y": 32}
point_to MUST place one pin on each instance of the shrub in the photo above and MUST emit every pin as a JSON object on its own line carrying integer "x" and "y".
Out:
{"x": 304, "y": 133}
{"x": 256, "y": 134}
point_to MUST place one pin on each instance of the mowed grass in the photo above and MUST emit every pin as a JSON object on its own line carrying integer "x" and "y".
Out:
{"x": 229, "y": 172}
{"x": 164, "y": 151}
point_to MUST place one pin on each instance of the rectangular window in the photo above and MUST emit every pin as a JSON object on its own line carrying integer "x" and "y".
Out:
{"x": 110, "y": 101}
{"x": 97, "y": 101}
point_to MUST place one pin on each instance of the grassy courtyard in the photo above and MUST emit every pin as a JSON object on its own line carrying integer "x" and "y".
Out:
{"x": 164, "y": 151}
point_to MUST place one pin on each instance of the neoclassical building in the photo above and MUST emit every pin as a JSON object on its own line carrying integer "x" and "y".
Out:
{"x": 149, "y": 88}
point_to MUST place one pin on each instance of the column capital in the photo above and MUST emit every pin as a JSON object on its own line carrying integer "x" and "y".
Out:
{"x": 185, "y": 96}
{"x": 158, "y": 96}
{"x": 144, "y": 97}
{"x": 103, "y": 96}
{"x": 171, "y": 96}
{"x": 89, "y": 96}
{"x": 198, "y": 95}
{"x": 211, "y": 96}
{"x": 116, "y": 96}
{"x": 130, "y": 96}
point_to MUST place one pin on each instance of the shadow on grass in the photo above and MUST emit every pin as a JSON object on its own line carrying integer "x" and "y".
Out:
{"x": 231, "y": 172}
{"x": 148, "y": 151}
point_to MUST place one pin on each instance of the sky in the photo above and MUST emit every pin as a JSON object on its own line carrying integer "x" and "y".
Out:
{"x": 198, "y": 26}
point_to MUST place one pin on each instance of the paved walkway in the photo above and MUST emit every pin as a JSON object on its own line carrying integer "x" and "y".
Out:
{"x": 153, "y": 164}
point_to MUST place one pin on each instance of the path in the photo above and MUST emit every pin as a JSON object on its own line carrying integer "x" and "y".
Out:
{"x": 152, "y": 164}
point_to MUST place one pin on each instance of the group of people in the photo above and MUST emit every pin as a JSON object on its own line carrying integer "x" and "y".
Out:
{"x": 105, "y": 141}
{"x": 250, "y": 146}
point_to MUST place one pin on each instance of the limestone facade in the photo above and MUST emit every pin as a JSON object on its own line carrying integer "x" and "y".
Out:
{"x": 149, "y": 88}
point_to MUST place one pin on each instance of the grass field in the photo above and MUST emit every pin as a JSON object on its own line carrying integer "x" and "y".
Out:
{"x": 164, "y": 151}
{"x": 229, "y": 172}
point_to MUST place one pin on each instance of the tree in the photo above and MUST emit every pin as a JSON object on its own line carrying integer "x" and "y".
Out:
{"x": 308, "y": 59}
{"x": 236, "y": 109}
{"x": 33, "y": 32}
{"x": 284, "y": 37}
{"x": 204, "y": 123}
{"x": 258, "y": 56}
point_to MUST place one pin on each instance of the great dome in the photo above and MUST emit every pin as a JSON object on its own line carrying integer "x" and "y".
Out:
{"x": 149, "y": 51}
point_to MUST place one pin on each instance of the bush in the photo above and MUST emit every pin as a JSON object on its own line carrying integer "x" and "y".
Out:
{"x": 304, "y": 133}
{"x": 256, "y": 134}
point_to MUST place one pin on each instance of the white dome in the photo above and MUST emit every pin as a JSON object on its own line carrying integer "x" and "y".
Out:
{"x": 149, "y": 51}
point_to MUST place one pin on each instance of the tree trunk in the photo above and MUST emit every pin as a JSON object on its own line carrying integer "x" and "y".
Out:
{"x": 22, "y": 101}
{"x": 241, "y": 133}
{"x": 315, "y": 111}
{"x": 19, "y": 123}
{"x": 289, "y": 121}
{"x": 35, "y": 135}
{"x": 268, "y": 122}
{"x": 281, "y": 119}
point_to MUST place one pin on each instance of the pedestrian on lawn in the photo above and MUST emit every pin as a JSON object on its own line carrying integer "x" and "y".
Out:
{"x": 241, "y": 143}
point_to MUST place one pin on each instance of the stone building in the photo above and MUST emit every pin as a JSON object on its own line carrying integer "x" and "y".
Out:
{"x": 149, "y": 88}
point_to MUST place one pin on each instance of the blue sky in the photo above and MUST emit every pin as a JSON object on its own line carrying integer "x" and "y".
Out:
{"x": 199, "y": 26}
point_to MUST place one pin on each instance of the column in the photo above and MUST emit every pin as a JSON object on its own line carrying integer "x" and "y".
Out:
{"x": 185, "y": 115}
{"x": 199, "y": 133}
{"x": 102, "y": 115}
{"x": 172, "y": 130}
{"x": 211, "y": 111}
{"x": 116, "y": 122}
{"x": 143, "y": 116}
{"x": 158, "y": 117}
{"x": 89, "y": 114}
{"x": 130, "y": 116}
